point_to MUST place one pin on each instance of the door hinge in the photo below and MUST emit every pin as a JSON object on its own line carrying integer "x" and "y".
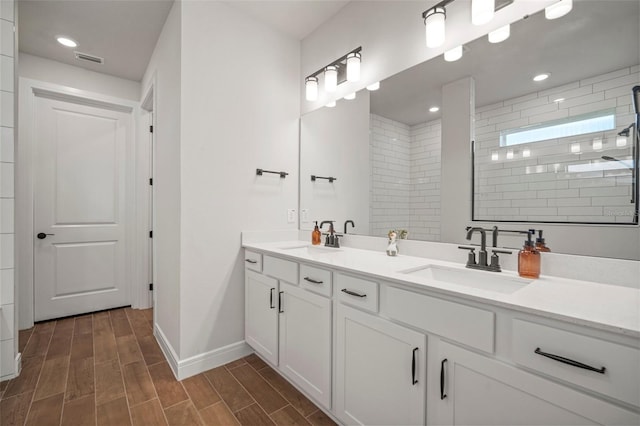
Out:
{"x": 151, "y": 287}
{"x": 151, "y": 181}
{"x": 150, "y": 129}
{"x": 150, "y": 234}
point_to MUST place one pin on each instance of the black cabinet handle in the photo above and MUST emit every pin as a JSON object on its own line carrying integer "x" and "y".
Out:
{"x": 251, "y": 261}
{"x": 570, "y": 361}
{"x": 311, "y": 280}
{"x": 280, "y": 302}
{"x": 271, "y": 298}
{"x": 442, "y": 394}
{"x": 353, "y": 293}
{"x": 414, "y": 381}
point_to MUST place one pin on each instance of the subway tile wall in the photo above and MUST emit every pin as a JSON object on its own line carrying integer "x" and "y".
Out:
{"x": 405, "y": 178}
{"x": 546, "y": 181}
{"x": 8, "y": 335}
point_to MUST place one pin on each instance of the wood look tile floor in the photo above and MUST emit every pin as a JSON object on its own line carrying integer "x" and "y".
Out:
{"x": 107, "y": 369}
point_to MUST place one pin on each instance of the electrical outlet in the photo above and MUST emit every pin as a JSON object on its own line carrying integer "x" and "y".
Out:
{"x": 291, "y": 215}
{"x": 305, "y": 215}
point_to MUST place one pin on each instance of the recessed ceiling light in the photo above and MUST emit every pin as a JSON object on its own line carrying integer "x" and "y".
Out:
{"x": 541, "y": 77}
{"x": 66, "y": 41}
{"x": 434, "y": 109}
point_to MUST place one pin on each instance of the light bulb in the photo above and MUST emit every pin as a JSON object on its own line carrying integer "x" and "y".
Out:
{"x": 434, "y": 27}
{"x": 353, "y": 66}
{"x": 482, "y": 11}
{"x": 331, "y": 78}
{"x": 453, "y": 54}
{"x": 558, "y": 10}
{"x": 501, "y": 34}
{"x": 350, "y": 96}
{"x": 373, "y": 87}
{"x": 311, "y": 88}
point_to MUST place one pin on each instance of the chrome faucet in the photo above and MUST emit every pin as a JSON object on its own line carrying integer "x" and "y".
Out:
{"x": 482, "y": 255}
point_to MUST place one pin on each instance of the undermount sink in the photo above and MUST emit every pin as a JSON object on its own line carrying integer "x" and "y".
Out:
{"x": 311, "y": 249}
{"x": 482, "y": 280}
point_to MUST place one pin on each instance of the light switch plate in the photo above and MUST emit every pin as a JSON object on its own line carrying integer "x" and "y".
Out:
{"x": 291, "y": 215}
{"x": 304, "y": 213}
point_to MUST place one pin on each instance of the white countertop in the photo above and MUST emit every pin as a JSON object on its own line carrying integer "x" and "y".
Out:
{"x": 602, "y": 306}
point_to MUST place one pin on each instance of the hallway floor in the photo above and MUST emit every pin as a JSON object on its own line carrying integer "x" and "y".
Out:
{"x": 107, "y": 369}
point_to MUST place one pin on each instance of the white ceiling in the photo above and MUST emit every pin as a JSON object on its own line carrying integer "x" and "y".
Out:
{"x": 125, "y": 32}
{"x": 594, "y": 38}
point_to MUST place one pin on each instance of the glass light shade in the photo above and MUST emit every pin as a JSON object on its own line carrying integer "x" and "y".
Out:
{"x": 373, "y": 87}
{"x": 453, "y": 54}
{"x": 434, "y": 27}
{"x": 558, "y": 10}
{"x": 331, "y": 104}
{"x": 501, "y": 34}
{"x": 350, "y": 96}
{"x": 621, "y": 141}
{"x": 482, "y": 11}
{"x": 353, "y": 67}
{"x": 331, "y": 78}
{"x": 311, "y": 89}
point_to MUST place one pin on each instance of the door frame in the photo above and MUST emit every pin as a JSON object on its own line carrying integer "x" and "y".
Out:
{"x": 29, "y": 89}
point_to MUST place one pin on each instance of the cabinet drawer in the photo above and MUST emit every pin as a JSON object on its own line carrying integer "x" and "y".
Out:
{"x": 253, "y": 260}
{"x": 316, "y": 280}
{"x": 285, "y": 270}
{"x": 471, "y": 326}
{"x": 539, "y": 347}
{"x": 357, "y": 292}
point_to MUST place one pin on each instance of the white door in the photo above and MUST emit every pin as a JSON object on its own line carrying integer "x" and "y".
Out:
{"x": 261, "y": 314}
{"x": 305, "y": 341}
{"x": 79, "y": 208}
{"x": 380, "y": 374}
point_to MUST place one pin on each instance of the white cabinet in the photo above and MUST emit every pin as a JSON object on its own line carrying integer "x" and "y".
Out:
{"x": 380, "y": 371}
{"x": 261, "y": 314}
{"x": 305, "y": 341}
{"x": 478, "y": 390}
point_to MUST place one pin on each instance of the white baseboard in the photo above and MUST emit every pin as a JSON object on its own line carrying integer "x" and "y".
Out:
{"x": 202, "y": 362}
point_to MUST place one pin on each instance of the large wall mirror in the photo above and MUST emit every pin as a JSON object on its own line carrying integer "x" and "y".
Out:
{"x": 549, "y": 151}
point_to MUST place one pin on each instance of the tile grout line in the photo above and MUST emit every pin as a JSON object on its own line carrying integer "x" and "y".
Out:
{"x": 66, "y": 383}
{"x": 33, "y": 395}
{"x": 250, "y": 394}
{"x": 124, "y": 383}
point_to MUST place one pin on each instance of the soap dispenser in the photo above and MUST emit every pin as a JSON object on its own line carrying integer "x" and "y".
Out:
{"x": 316, "y": 235}
{"x": 540, "y": 245}
{"x": 529, "y": 259}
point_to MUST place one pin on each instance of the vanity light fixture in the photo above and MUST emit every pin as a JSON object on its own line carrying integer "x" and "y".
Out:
{"x": 482, "y": 11}
{"x": 558, "y": 10}
{"x": 434, "y": 24}
{"x": 311, "y": 88}
{"x": 541, "y": 77}
{"x": 345, "y": 68}
{"x": 501, "y": 34}
{"x": 434, "y": 109}
{"x": 373, "y": 87}
{"x": 350, "y": 96}
{"x": 453, "y": 54}
{"x": 331, "y": 104}
{"x": 331, "y": 78}
{"x": 66, "y": 41}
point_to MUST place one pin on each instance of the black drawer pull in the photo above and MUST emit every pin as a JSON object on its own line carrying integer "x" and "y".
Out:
{"x": 414, "y": 381}
{"x": 570, "y": 361}
{"x": 271, "y": 305}
{"x": 251, "y": 261}
{"x": 311, "y": 280}
{"x": 353, "y": 293}
{"x": 280, "y": 310}
{"x": 442, "y": 394}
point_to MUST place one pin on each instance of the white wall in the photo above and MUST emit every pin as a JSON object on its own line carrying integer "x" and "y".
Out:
{"x": 164, "y": 74}
{"x": 335, "y": 143}
{"x": 397, "y": 44}
{"x": 42, "y": 69}
{"x": 8, "y": 293}
{"x": 239, "y": 112}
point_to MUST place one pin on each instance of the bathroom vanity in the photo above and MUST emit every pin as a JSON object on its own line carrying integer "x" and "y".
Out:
{"x": 374, "y": 339}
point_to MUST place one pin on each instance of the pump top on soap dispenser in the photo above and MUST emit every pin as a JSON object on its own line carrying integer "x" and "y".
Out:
{"x": 540, "y": 245}
{"x": 529, "y": 258}
{"x": 316, "y": 235}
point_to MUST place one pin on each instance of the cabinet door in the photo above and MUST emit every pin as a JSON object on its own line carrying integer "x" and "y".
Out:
{"x": 477, "y": 390}
{"x": 381, "y": 370}
{"x": 261, "y": 315}
{"x": 305, "y": 341}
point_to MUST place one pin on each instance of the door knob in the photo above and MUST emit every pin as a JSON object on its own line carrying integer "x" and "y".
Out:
{"x": 42, "y": 235}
